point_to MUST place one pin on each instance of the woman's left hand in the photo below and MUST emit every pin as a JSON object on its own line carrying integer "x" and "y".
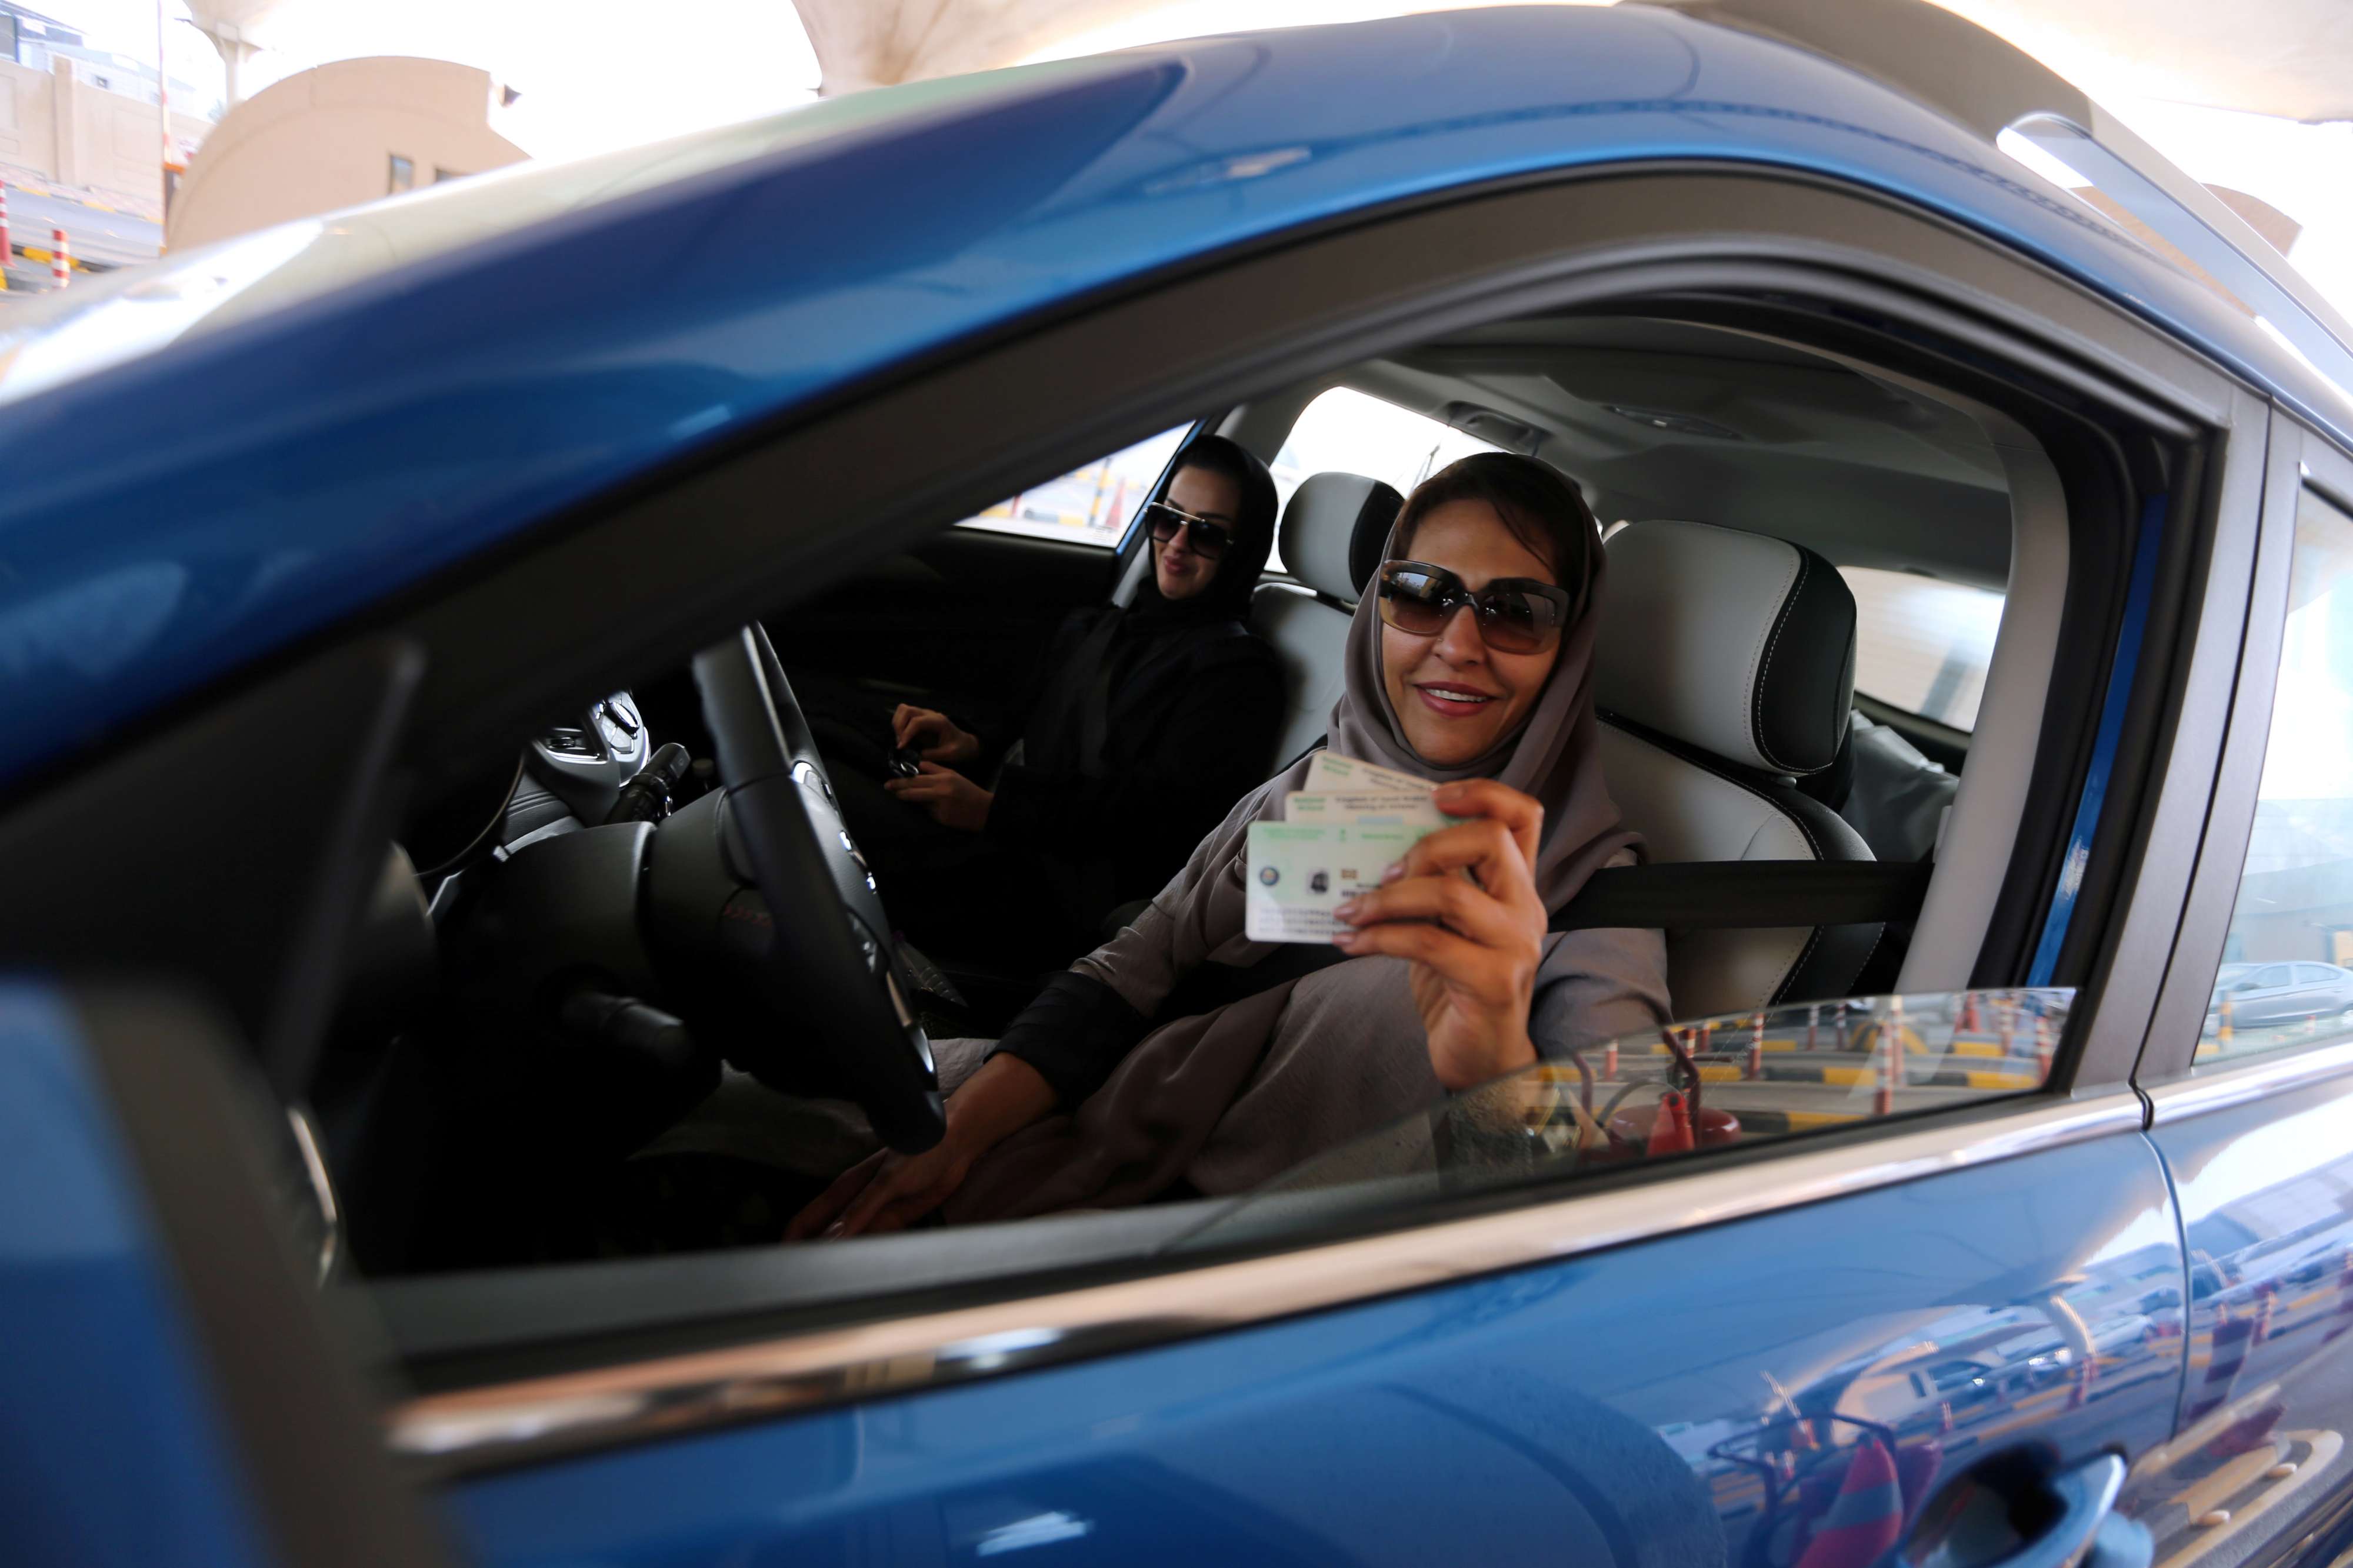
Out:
{"x": 1461, "y": 908}
{"x": 953, "y": 800}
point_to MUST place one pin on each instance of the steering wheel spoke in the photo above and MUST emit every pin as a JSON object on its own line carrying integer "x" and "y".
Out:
{"x": 828, "y": 960}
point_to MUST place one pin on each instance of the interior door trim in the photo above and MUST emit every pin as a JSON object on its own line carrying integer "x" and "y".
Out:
{"x": 532, "y": 1418}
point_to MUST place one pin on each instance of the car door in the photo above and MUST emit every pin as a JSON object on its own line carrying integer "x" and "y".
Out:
{"x": 2253, "y": 1121}
{"x": 1784, "y": 1358}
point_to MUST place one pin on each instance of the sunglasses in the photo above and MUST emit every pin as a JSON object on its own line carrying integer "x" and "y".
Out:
{"x": 1209, "y": 538}
{"x": 1514, "y": 615}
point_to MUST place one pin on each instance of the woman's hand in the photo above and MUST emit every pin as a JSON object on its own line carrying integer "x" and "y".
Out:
{"x": 1461, "y": 908}
{"x": 953, "y": 800}
{"x": 883, "y": 1192}
{"x": 887, "y": 1191}
{"x": 933, "y": 734}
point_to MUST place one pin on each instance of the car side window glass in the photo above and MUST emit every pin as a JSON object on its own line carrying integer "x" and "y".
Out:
{"x": 1923, "y": 645}
{"x": 2280, "y": 987}
{"x": 1732, "y": 1081}
{"x": 1357, "y": 433}
{"x": 1090, "y": 504}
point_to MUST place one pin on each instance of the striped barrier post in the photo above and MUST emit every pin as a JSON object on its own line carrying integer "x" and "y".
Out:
{"x": 2231, "y": 1331}
{"x": 2344, "y": 1313}
{"x": 2223, "y": 1032}
{"x": 1814, "y": 1024}
{"x": 1969, "y": 1024}
{"x": 1702, "y": 1040}
{"x": 61, "y": 265}
{"x": 1756, "y": 1049}
{"x": 5, "y": 251}
{"x": 2008, "y": 1009}
{"x": 2042, "y": 1046}
{"x": 1891, "y": 1059}
{"x": 1609, "y": 1061}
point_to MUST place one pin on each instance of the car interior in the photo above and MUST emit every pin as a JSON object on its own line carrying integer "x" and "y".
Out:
{"x": 565, "y": 959}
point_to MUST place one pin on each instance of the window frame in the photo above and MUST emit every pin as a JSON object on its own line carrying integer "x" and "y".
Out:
{"x": 502, "y": 649}
{"x": 2296, "y": 459}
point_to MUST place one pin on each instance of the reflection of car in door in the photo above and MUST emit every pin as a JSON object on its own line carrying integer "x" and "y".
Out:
{"x": 1925, "y": 1207}
{"x": 2263, "y": 993}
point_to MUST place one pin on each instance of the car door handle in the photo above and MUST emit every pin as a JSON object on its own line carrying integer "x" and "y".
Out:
{"x": 1971, "y": 1523}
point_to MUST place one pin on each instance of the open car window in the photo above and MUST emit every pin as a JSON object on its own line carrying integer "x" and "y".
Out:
{"x": 1921, "y": 644}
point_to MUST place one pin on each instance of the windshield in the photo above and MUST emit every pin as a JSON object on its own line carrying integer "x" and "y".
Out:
{"x": 1687, "y": 1091}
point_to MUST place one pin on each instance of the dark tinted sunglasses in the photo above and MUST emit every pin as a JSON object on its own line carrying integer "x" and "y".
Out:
{"x": 1209, "y": 538}
{"x": 1514, "y": 615}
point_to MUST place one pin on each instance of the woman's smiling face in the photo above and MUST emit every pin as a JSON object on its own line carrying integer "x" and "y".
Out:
{"x": 1455, "y": 698}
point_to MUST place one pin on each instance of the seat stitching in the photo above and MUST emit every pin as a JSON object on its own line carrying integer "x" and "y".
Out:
{"x": 1765, "y": 671}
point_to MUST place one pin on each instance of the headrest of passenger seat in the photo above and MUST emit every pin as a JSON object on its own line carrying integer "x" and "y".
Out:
{"x": 1740, "y": 644}
{"x": 1324, "y": 529}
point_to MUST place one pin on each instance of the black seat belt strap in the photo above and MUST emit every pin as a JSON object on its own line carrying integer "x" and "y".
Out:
{"x": 1700, "y": 895}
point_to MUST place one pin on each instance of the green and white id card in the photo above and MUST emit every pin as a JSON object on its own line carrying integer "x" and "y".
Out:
{"x": 1300, "y": 872}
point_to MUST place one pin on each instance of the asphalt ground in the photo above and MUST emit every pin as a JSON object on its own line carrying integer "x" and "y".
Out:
{"x": 92, "y": 233}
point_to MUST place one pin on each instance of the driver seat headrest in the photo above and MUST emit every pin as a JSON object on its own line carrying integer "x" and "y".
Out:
{"x": 1740, "y": 644}
{"x": 1334, "y": 530}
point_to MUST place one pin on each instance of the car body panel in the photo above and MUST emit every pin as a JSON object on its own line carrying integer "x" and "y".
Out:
{"x": 218, "y": 493}
{"x": 1637, "y": 1405}
{"x": 112, "y": 1452}
{"x": 2262, "y": 1193}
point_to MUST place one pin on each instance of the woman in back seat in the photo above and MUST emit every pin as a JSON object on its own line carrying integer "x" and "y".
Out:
{"x": 1148, "y": 722}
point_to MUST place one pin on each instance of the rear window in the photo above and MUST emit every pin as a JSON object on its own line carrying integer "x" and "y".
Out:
{"x": 1089, "y": 505}
{"x": 1357, "y": 433}
{"x": 1923, "y": 645}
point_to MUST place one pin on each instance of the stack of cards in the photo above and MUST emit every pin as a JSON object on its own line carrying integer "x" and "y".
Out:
{"x": 1351, "y": 822}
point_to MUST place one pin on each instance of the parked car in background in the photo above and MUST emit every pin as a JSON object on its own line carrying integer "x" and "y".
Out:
{"x": 369, "y": 945}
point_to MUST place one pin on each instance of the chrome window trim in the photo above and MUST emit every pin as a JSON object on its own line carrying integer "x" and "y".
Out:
{"x": 480, "y": 1429}
{"x": 2257, "y": 1079}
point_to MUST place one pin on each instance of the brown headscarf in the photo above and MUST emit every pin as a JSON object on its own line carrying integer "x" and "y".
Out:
{"x": 1232, "y": 1097}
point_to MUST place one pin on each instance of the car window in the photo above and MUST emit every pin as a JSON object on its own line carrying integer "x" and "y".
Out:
{"x": 1921, "y": 644}
{"x": 1090, "y": 504}
{"x": 1729, "y": 1081}
{"x": 2273, "y": 975}
{"x": 2314, "y": 974}
{"x": 1357, "y": 433}
{"x": 2295, "y": 891}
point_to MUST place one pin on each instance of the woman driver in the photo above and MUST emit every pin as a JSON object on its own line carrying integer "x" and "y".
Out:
{"x": 1088, "y": 1101}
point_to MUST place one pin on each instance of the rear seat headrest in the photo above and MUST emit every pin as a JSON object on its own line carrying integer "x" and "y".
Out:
{"x": 1740, "y": 644}
{"x": 1333, "y": 532}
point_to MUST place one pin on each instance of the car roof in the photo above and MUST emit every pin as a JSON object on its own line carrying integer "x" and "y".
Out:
{"x": 237, "y": 448}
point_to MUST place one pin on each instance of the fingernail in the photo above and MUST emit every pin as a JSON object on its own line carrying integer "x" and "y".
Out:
{"x": 1347, "y": 939}
{"x": 1393, "y": 873}
{"x": 833, "y": 1231}
{"x": 1348, "y": 909}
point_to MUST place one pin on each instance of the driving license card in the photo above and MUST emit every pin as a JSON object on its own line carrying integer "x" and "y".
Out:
{"x": 1331, "y": 774}
{"x": 1298, "y": 873}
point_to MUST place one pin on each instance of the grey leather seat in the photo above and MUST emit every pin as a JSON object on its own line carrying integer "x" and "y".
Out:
{"x": 1725, "y": 671}
{"x": 1331, "y": 537}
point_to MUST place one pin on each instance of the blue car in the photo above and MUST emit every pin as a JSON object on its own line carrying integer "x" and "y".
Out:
{"x": 417, "y": 629}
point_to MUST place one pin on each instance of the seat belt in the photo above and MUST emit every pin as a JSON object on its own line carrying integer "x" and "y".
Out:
{"x": 1696, "y": 895}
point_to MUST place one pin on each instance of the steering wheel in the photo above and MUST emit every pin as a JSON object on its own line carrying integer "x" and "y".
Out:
{"x": 828, "y": 966}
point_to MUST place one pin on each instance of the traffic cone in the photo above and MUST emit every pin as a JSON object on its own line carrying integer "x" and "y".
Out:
{"x": 1756, "y": 1049}
{"x": 1670, "y": 1130}
{"x": 1609, "y": 1061}
{"x": 1866, "y": 1518}
{"x": 61, "y": 265}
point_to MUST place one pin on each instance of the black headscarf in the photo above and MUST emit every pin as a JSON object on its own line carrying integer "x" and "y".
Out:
{"x": 1124, "y": 638}
{"x": 1226, "y": 598}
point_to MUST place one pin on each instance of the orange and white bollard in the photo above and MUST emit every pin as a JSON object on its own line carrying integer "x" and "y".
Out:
{"x": 1609, "y": 1061}
{"x": 2042, "y": 1047}
{"x": 1756, "y": 1048}
{"x": 60, "y": 263}
{"x": 1891, "y": 1064}
{"x": 1969, "y": 1024}
{"x": 6, "y": 252}
{"x": 2222, "y": 1030}
{"x": 2009, "y": 1025}
{"x": 1813, "y": 1025}
{"x": 1702, "y": 1042}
